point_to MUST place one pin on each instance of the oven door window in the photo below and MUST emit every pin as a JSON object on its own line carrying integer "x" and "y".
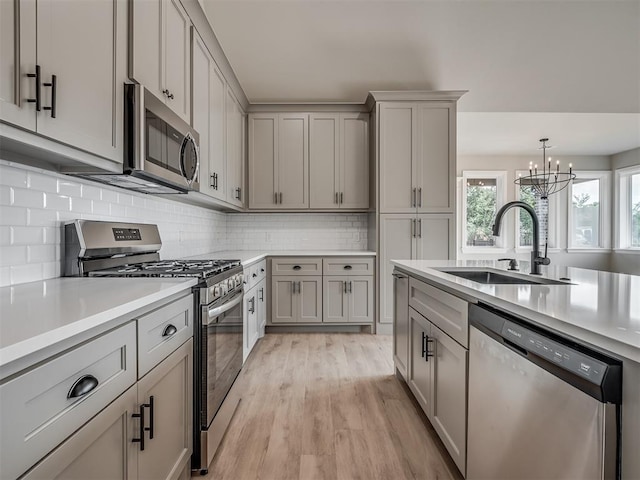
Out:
{"x": 224, "y": 357}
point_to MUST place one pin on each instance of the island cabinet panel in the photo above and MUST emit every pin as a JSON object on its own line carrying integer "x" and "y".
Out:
{"x": 447, "y": 312}
{"x": 420, "y": 371}
{"x": 401, "y": 338}
{"x": 449, "y": 399}
{"x": 99, "y": 450}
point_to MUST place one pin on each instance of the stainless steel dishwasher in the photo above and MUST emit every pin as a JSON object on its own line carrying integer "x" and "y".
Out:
{"x": 540, "y": 406}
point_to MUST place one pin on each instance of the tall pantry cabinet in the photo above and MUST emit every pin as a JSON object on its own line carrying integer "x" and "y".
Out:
{"x": 414, "y": 142}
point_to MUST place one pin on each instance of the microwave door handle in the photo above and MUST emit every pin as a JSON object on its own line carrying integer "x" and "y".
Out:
{"x": 215, "y": 312}
{"x": 188, "y": 139}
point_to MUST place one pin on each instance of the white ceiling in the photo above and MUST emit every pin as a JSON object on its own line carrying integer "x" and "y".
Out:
{"x": 567, "y": 69}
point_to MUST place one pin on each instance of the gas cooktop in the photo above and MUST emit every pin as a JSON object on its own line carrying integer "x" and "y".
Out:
{"x": 169, "y": 268}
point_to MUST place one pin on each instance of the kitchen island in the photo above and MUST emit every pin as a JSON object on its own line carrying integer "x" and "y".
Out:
{"x": 598, "y": 309}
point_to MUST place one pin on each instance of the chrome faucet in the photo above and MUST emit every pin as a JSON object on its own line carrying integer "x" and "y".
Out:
{"x": 536, "y": 258}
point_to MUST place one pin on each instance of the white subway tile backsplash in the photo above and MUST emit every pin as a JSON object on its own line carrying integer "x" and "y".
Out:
{"x": 31, "y": 223}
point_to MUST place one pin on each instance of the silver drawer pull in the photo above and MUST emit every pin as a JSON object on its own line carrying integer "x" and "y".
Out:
{"x": 82, "y": 386}
{"x": 169, "y": 331}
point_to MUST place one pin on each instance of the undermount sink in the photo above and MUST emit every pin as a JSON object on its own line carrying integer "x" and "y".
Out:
{"x": 491, "y": 277}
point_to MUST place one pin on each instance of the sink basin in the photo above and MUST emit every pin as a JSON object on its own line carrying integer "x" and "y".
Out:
{"x": 491, "y": 277}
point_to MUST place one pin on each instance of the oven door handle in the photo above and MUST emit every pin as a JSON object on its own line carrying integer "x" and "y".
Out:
{"x": 214, "y": 312}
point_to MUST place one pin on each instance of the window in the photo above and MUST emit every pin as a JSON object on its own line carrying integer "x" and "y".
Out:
{"x": 483, "y": 194}
{"x": 547, "y": 215}
{"x": 628, "y": 180}
{"x": 588, "y": 211}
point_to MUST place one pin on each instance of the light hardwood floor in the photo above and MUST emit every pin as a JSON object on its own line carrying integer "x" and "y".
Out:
{"x": 327, "y": 406}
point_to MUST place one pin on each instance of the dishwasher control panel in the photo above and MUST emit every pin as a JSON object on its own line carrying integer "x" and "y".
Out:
{"x": 577, "y": 362}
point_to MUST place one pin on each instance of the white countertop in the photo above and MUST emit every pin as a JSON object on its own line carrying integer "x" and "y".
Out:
{"x": 38, "y": 315}
{"x": 248, "y": 257}
{"x": 600, "y": 308}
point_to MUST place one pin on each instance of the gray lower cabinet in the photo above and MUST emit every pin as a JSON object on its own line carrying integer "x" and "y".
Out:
{"x": 401, "y": 323}
{"x": 436, "y": 364}
{"x": 89, "y": 413}
{"x": 101, "y": 449}
{"x": 348, "y": 299}
{"x": 296, "y": 299}
{"x": 166, "y": 391}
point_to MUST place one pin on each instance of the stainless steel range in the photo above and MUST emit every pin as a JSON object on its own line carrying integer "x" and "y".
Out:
{"x": 108, "y": 249}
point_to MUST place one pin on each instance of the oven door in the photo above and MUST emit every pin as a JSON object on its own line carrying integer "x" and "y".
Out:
{"x": 222, "y": 335}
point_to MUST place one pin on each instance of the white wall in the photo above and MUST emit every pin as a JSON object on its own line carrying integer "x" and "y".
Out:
{"x": 511, "y": 164}
{"x": 35, "y": 203}
{"x": 625, "y": 262}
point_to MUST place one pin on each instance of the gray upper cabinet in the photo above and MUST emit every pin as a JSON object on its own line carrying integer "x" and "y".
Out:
{"x": 78, "y": 103}
{"x": 234, "y": 150}
{"x": 208, "y": 118}
{"x": 339, "y": 161}
{"x": 160, "y": 52}
{"x": 417, "y": 157}
{"x": 278, "y": 160}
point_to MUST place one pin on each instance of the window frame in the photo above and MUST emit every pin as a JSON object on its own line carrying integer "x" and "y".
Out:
{"x": 501, "y": 197}
{"x": 604, "y": 215}
{"x": 623, "y": 208}
{"x": 553, "y": 225}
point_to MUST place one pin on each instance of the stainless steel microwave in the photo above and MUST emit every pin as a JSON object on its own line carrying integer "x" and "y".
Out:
{"x": 161, "y": 153}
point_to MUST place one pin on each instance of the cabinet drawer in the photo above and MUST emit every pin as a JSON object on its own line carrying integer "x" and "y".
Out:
{"x": 348, "y": 266}
{"x": 36, "y": 412}
{"x": 254, "y": 273}
{"x": 296, "y": 266}
{"x": 155, "y": 338}
{"x": 447, "y": 312}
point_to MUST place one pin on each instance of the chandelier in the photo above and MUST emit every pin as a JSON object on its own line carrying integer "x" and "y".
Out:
{"x": 549, "y": 180}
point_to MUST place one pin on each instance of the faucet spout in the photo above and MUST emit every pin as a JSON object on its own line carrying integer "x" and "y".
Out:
{"x": 536, "y": 259}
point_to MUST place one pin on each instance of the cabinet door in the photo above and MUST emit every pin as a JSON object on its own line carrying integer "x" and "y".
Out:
{"x": 234, "y": 150}
{"x": 169, "y": 387}
{"x": 401, "y": 323}
{"x": 324, "y": 160}
{"x": 397, "y": 145}
{"x": 450, "y": 394}
{"x": 335, "y": 308}
{"x": 251, "y": 334}
{"x": 17, "y": 59}
{"x": 435, "y": 159}
{"x": 284, "y": 308}
{"x": 360, "y": 292}
{"x": 177, "y": 65}
{"x": 435, "y": 237}
{"x": 88, "y": 94}
{"x": 263, "y": 155}
{"x": 354, "y": 165}
{"x": 262, "y": 307}
{"x": 200, "y": 109}
{"x": 103, "y": 448}
{"x": 217, "y": 137}
{"x": 396, "y": 242}
{"x": 421, "y": 365}
{"x": 310, "y": 299}
{"x": 293, "y": 161}
{"x": 146, "y": 55}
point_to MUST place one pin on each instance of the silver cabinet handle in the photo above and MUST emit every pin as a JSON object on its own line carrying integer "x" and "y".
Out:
{"x": 169, "y": 331}
{"x": 413, "y": 227}
{"x": 419, "y": 228}
{"x": 337, "y": 199}
{"x": 350, "y": 286}
{"x": 275, "y": 197}
{"x": 341, "y": 198}
{"x": 344, "y": 287}
{"x": 300, "y": 288}
{"x": 280, "y": 198}
{"x": 413, "y": 198}
{"x": 252, "y": 308}
{"x": 420, "y": 197}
